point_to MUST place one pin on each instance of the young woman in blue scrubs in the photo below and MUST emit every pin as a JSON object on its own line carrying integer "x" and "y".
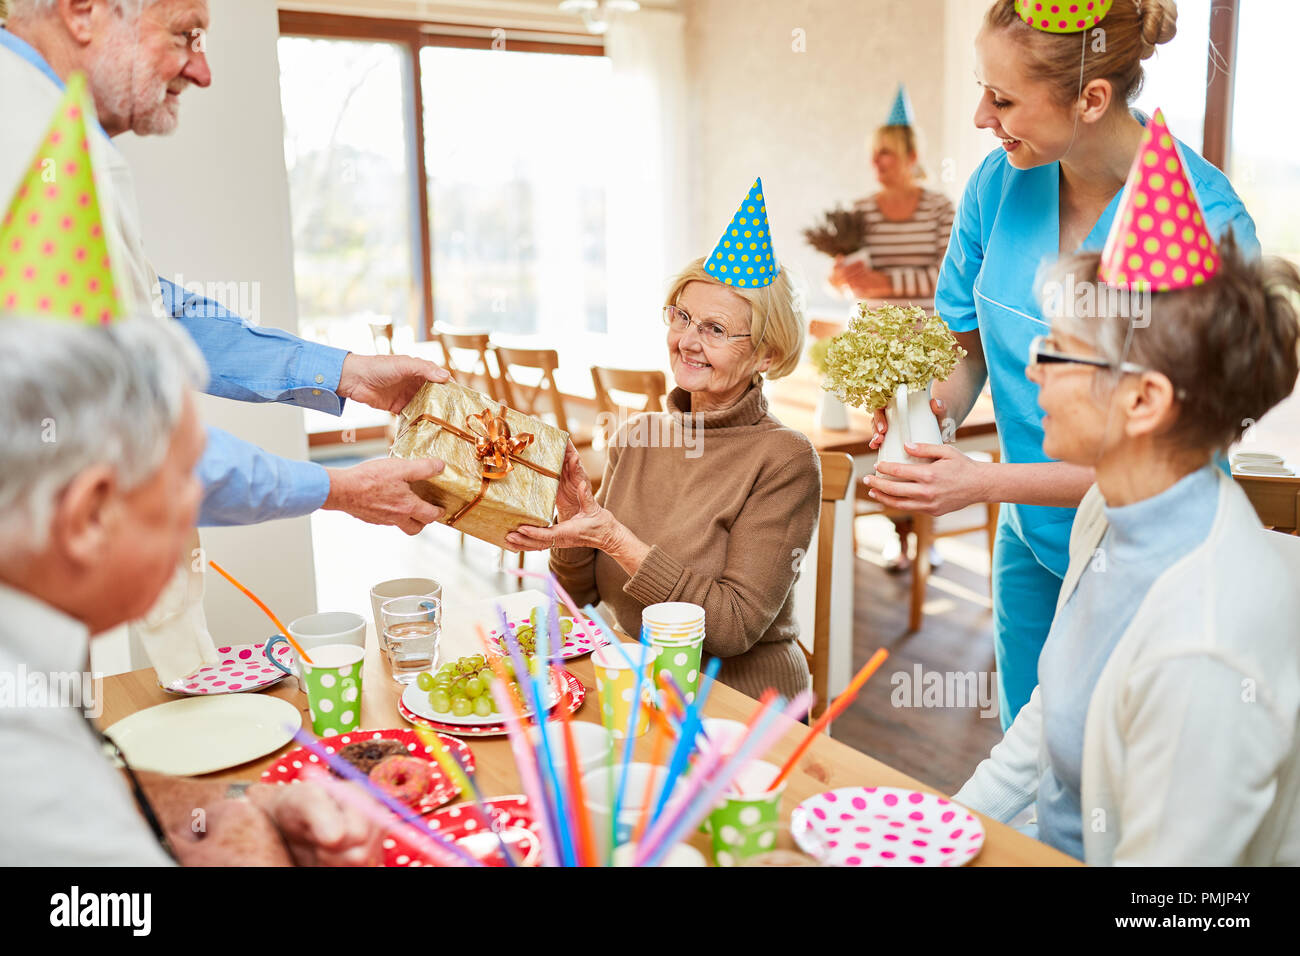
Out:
{"x": 1058, "y": 101}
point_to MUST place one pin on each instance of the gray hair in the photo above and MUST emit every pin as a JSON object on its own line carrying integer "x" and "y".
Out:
{"x": 18, "y": 9}
{"x": 73, "y": 396}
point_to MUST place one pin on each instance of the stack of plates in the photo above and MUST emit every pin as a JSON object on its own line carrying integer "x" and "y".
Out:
{"x": 1260, "y": 463}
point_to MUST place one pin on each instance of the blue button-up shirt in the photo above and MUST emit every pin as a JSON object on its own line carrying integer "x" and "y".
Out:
{"x": 242, "y": 484}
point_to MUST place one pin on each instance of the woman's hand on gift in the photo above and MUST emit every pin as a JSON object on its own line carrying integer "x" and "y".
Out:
{"x": 386, "y": 382}
{"x": 575, "y": 486}
{"x": 582, "y": 522}
{"x": 880, "y": 423}
{"x": 949, "y": 482}
{"x": 379, "y": 492}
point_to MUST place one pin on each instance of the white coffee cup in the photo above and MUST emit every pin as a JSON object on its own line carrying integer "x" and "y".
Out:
{"x": 400, "y": 587}
{"x": 327, "y": 627}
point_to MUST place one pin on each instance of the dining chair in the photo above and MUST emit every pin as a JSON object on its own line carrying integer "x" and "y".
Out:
{"x": 837, "y": 477}
{"x": 479, "y": 373}
{"x": 651, "y": 384}
{"x": 1276, "y": 500}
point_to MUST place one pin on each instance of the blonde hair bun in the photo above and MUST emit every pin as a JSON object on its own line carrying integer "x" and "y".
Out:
{"x": 1159, "y": 24}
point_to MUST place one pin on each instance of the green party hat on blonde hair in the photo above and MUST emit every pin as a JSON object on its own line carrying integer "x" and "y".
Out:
{"x": 743, "y": 256}
{"x": 1054, "y": 16}
{"x": 54, "y": 253}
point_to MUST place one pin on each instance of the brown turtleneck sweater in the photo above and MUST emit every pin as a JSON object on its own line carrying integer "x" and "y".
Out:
{"x": 728, "y": 500}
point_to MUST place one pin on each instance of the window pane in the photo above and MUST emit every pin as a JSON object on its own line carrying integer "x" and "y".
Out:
{"x": 516, "y": 189}
{"x": 349, "y": 190}
{"x": 1264, "y": 159}
{"x": 1175, "y": 76}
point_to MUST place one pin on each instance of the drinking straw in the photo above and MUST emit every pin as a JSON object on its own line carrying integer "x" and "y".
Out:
{"x": 362, "y": 803}
{"x": 559, "y": 588}
{"x": 522, "y": 750}
{"x": 554, "y": 617}
{"x": 709, "y": 761}
{"x": 764, "y": 736}
{"x": 346, "y": 770}
{"x": 690, "y": 723}
{"x": 582, "y": 821}
{"x": 833, "y": 711}
{"x": 656, "y": 754}
{"x": 634, "y": 713}
{"x": 302, "y": 655}
{"x": 464, "y": 782}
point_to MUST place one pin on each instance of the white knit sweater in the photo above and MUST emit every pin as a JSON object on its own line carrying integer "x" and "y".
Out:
{"x": 1191, "y": 748}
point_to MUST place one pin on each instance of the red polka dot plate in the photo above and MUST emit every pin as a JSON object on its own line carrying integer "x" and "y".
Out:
{"x": 885, "y": 826}
{"x": 574, "y": 694}
{"x": 463, "y": 824}
{"x": 583, "y": 639}
{"x": 291, "y": 765}
{"x": 238, "y": 668}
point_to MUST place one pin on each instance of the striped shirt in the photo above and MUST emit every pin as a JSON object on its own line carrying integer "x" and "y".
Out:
{"x": 909, "y": 252}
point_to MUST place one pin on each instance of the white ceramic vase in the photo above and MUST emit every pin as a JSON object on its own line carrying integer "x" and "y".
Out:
{"x": 832, "y": 415}
{"x": 910, "y": 421}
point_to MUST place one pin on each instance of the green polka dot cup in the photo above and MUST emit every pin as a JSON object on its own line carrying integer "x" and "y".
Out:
{"x": 676, "y": 629}
{"x": 333, "y": 680}
{"x": 749, "y": 819}
{"x": 616, "y": 686}
{"x": 682, "y": 663}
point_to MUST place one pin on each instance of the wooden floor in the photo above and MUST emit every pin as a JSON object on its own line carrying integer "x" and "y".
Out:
{"x": 938, "y": 744}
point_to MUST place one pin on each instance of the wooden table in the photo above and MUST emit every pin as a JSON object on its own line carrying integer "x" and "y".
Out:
{"x": 828, "y": 764}
{"x": 793, "y": 400}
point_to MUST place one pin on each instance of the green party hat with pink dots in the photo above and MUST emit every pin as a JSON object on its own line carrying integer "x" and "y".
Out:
{"x": 54, "y": 255}
{"x": 743, "y": 256}
{"x": 1159, "y": 240}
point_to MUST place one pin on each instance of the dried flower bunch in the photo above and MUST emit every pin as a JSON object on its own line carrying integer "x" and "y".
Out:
{"x": 842, "y": 232}
{"x": 817, "y": 354}
{"x": 886, "y": 347}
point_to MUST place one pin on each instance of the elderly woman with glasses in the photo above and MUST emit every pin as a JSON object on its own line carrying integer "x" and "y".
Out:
{"x": 713, "y": 501}
{"x": 1163, "y": 727}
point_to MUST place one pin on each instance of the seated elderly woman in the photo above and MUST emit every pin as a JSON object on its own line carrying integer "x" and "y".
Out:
{"x": 99, "y": 438}
{"x": 1162, "y": 730}
{"x": 713, "y": 501}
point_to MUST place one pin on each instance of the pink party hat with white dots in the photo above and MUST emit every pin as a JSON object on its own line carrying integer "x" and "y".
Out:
{"x": 54, "y": 256}
{"x": 1159, "y": 239}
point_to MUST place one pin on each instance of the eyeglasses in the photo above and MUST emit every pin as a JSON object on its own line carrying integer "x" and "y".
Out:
{"x": 1041, "y": 352}
{"x": 713, "y": 333}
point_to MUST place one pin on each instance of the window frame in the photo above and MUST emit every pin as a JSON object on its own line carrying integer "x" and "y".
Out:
{"x": 414, "y": 36}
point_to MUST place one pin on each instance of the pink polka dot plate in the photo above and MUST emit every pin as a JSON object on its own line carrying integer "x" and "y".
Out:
{"x": 291, "y": 765}
{"x": 463, "y": 824}
{"x": 583, "y": 639}
{"x": 571, "y": 699}
{"x": 238, "y": 668}
{"x": 885, "y": 826}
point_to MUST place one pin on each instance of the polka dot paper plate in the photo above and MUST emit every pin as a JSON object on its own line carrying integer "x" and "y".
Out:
{"x": 239, "y": 667}
{"x": 574, "y": 694}
{"x": 885, "y": 826}
{"x": 583, "y": 639}
{"x": 463, "y": 824}
{"x": 290, "y": 767}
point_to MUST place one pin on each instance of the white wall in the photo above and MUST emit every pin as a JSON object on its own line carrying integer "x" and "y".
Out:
{"x": 214, "y": 207}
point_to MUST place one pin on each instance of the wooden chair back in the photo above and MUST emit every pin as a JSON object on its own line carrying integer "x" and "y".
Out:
{"x": 526, "y": 398}
{"x": 479, "y": 374}
{"x": 1276, "y": 500}
{"x": 653, "y": 385}
{"x": 824, "y": 329}
{"x": 837, "y": 479}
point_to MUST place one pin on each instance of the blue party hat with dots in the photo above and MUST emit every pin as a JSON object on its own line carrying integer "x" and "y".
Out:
{"x": 900, "y": 114}
{"x": 743, "y": 256}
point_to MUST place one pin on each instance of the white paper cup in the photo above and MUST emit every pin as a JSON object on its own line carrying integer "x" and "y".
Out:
{"x": 593, "y": 743}
{"x": 683, "y": 854}
{"x": 400, "y": 587}
{"x": 673, "y": 620}
{"x": 327, "y": 627}
{"x": 600, "y": 787}
{"x": 726, "y": 732}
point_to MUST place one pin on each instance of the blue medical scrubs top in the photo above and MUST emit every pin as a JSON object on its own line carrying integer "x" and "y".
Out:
{"x": 1007, "y": 230}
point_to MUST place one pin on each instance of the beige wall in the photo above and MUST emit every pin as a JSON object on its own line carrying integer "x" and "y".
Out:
{"x": 214, "y": 207}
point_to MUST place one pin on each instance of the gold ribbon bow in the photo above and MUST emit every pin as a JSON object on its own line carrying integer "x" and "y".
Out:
{"x": 495, "y": 448}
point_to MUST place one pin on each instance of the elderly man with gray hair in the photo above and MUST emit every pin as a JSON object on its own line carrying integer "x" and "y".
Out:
{"x": 98, "y": 495}
{"x": 138, "y": 57}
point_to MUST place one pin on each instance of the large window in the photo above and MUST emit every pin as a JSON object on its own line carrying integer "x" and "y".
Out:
{"x": 1175, "y": 76}
{"x": 450, "y": 178}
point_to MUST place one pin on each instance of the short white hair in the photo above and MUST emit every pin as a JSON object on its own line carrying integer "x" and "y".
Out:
{"x": 19, "y": 9}
{"x": 73, "y": 396}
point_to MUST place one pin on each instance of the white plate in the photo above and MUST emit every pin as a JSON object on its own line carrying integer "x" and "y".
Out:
{"x": 204, "y": 734}
{"x": 417, "y": 701}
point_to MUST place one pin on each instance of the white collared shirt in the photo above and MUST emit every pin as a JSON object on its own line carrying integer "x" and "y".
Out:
{"x": 62, "y": 803}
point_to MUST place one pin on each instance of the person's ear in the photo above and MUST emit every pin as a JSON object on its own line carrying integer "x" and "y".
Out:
{"x": 1150, "y": 408}
{"x": 1094, "y": 100}
{"x": 85, "y": 514}
{"x": 79, "y": 17}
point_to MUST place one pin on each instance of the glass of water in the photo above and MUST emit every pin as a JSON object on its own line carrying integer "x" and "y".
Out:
{"x": 412, "y": 629}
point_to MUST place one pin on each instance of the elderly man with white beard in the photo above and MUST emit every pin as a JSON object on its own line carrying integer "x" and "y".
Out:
{"x": 139, "y": 57}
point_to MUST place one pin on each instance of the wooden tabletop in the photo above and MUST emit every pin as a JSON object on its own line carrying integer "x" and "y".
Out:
{"x": 827, "y": 765}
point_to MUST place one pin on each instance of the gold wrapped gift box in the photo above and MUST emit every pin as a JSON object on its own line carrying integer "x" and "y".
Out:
{"x": 502, "y": 467}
